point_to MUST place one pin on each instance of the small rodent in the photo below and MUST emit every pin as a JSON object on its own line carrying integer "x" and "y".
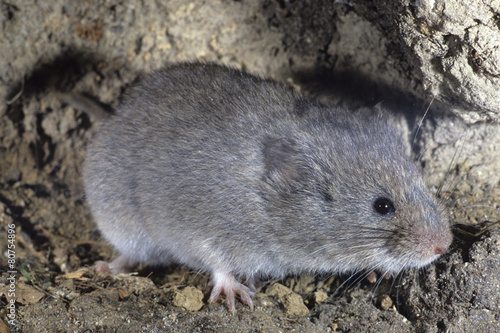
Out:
{"x": 242, "y": 177}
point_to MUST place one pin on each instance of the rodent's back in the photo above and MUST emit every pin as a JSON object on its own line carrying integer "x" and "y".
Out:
{"x": 217, "y": 167}
{"x": 183, "y": 156}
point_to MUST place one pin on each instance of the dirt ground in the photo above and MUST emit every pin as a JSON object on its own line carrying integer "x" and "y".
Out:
{"x": 326, "y": 49}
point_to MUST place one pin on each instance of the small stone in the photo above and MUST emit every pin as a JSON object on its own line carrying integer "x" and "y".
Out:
{"x": 384, "y": 301}
{"x": 188, "y": 298}
{"x": 294, "y": 305}
{"x": 320, "y": 297}
{"x": 292, "y": 302}
{"x": 279, "y": 290}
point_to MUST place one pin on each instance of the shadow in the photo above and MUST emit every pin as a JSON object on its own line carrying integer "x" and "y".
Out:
{"x": 58, "y": 74}
{"x": 356, "y": 89}
{"x": 465, "y": 236}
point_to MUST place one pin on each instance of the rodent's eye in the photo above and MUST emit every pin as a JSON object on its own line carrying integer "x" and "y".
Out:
{"x": 383, "y": 206}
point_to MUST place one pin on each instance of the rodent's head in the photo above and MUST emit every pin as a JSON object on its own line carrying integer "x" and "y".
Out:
{"x": 352, "y": 200}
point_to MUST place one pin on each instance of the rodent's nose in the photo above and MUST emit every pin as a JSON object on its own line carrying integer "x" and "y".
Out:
{"x": 439, "y": 250}
{"x": 442, "y": 244}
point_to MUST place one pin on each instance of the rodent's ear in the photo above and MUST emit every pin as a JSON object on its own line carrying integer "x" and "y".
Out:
{"x": 283, "y": 166}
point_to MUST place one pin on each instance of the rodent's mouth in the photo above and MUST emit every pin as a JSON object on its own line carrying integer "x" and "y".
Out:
{"x": 423, "y": 242}
{"x": 423, "y": 256}
{"x": 424, "y": 262}
{"x": 432, "y": 244}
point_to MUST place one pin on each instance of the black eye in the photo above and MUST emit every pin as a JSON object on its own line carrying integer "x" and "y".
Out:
{"x": 383, "y": 206}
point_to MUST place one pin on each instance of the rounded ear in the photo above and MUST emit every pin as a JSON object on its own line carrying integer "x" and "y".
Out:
{"x": 284, "y": 169}
{"x": 396, "y": 121}
{"x": 399, "y": 123}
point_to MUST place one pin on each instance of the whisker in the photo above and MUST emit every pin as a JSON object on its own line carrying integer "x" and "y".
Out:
{"x": 344, "y": 283}
{"x": 453, "y": 162}
{"x": 478, "y": 206}
{"x": 423, "y": 152}
{"x": 421, "y": 122}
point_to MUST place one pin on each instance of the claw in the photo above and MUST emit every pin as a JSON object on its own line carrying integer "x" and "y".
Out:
{"x": 225, "y": 283}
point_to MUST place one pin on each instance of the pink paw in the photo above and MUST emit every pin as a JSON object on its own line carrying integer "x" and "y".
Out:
{"x": 122, "y": 264}
{"x": 102, "y": 266}
{"x": 225, "y": 283}
{"x": 372, "y": 277}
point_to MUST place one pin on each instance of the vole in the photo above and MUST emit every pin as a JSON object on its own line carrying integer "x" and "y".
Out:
{"x": 241, "y": 177}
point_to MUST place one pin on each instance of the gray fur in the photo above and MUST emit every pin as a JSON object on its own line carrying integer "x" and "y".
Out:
{"x": 223, "y": 171}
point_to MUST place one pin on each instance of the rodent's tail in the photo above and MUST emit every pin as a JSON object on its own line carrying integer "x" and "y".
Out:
{"x": 95, "y": 109}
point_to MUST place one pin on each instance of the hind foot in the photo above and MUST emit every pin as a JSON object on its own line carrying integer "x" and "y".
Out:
{"x": 122, "y": 264}
{"x": 225, "y": 283}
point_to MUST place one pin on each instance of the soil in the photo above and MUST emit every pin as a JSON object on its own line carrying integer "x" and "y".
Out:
{"x": 325, "y": 49}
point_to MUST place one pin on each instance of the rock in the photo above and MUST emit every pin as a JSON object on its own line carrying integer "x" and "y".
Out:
{"x": 189, "y": 298}
{"x": 292, "y": 302}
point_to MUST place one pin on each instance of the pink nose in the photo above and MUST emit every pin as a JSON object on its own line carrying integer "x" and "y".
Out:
{"x": 439, "y": 250}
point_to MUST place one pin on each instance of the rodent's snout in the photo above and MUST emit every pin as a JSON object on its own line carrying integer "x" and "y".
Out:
{"x": 437, "y": 243}
{"x": 440, "y": 249}
{"x": 433, "y": 239}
